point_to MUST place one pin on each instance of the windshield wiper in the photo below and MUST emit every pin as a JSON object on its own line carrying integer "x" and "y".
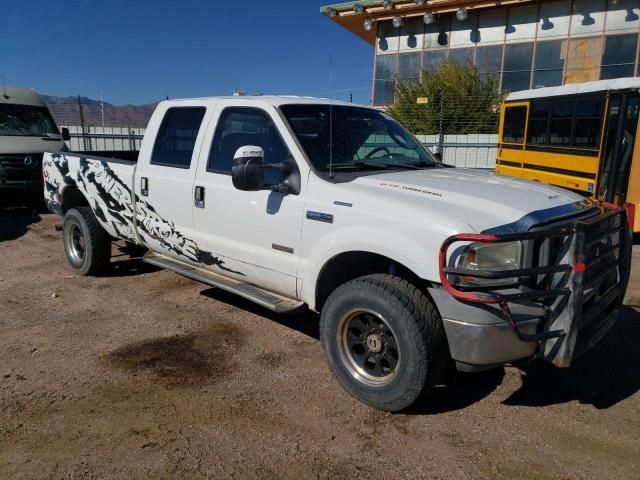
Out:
{"x": 357, "y": 165}
{"x": 423, "y": 164}
{"x": 384, "y": 165}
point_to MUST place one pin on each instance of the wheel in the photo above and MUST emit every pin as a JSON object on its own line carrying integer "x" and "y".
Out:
{"x": 384, "y": 341}
{"x": 86, "y": 243}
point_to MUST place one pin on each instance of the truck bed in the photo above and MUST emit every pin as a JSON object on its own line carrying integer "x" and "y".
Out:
{"x": 103, "y": 181}
{"x": 130, "y": 156}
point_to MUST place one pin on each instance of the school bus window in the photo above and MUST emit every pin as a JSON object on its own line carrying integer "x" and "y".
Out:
{"x": 514, "y": 123}
{"x": 539, "y": 122}
{"x": 561, "y": 122}
{"x": 588, "y": 121}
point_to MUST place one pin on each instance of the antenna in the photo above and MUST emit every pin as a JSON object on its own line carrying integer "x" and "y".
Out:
{"x": 330, "y": 118}
{"x": 4, "y": 88}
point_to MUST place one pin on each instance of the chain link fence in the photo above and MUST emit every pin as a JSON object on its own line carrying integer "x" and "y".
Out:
{"x": 100, "y": 139}
{"x": 455, "y": 110}
{"x": 96, "y": 126}
{"x": 473, "y": 150}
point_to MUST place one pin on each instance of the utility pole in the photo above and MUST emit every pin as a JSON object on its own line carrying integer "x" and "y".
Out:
{"x": 102, "y": 109}
{"x": 441, "y": 128}
{"x": 84, "y": 134}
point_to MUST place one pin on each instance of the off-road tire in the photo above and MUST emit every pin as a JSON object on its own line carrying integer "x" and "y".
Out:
{"x": 414, "y": 322}
{"x": 97, "y": 242}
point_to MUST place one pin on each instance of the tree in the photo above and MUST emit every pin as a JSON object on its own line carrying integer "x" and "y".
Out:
{"x": 458, "y": 95}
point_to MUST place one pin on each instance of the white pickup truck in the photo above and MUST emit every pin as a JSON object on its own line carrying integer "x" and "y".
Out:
{"x": 293, "y": 201}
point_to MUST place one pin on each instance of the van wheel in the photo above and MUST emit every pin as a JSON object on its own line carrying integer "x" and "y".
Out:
{"x": 86, "y": 244}
{"x": 384, "y": 341}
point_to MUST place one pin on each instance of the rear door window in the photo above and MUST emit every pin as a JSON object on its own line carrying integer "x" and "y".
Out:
{"x": 177, "y": 137}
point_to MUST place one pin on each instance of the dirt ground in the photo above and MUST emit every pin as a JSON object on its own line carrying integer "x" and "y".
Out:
{"x": 145, "y": 374}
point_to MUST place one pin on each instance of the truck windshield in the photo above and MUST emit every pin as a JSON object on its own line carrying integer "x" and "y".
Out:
{"x": 26, "y": 121}
{"x": 362, "y": 139}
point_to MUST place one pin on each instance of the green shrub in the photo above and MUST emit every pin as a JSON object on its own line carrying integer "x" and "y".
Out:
{"x": 464, "y": 99}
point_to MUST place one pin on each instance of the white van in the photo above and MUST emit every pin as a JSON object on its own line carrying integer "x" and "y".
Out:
{"x": 27, "y": 130}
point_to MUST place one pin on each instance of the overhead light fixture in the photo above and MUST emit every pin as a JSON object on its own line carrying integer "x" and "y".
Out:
{"x": 330, "y": 12}
{"x": 358, "y": 8}
{"x": 387, "y": 4}
{"x": 429, "y": 18}
{"x": 397, "y": 21}
{"x": 462, "y": 14}
{"x": 368, "y": 24}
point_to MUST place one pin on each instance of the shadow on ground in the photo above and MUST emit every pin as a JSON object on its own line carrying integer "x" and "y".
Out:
{"x": 603, "y": 377}
{"x": 15, "y": 222}
{"x": 126, "y": 261}
{"x": 458, "y": 391}
{"x": 129, "y": 267}
{"x": 302, "y": 320}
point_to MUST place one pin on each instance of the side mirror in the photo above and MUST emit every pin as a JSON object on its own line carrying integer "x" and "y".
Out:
{"x": 64, "y": 131}
{"x": 247, "y": 172}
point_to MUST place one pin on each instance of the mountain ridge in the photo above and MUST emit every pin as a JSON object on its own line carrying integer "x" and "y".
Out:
{"x": 66, "y": 112}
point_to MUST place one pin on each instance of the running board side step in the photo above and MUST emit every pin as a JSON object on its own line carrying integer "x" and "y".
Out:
{"x": 265, "y": 298}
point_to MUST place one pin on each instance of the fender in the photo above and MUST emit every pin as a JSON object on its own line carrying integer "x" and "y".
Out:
{"x": 416, "y": 254}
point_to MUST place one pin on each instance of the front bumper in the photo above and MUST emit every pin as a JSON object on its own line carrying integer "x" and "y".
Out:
{"x": 557, "y": 312}
{"x": 24, "y": 185}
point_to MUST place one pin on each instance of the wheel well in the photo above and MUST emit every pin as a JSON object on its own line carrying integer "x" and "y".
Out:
{"x": 72, "y": 197}
{"x": 350, "y": 265}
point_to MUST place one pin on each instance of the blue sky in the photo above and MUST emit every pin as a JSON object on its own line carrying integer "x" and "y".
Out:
{"x": 139, "y": 51}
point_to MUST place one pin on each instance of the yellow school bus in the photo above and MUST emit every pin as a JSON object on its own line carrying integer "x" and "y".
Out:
{"x": 578, "y": 136}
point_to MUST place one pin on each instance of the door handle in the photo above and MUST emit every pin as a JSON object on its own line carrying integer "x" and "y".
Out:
{"x": 198, "y": 197}
{"x": 144, "y": 186}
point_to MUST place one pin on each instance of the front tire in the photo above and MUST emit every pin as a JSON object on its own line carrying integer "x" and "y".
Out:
{"x": 384, "y": 341}
{"x": 86, "y": 244}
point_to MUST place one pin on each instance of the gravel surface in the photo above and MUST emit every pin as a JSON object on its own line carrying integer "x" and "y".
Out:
{"x": 145, "y": 374}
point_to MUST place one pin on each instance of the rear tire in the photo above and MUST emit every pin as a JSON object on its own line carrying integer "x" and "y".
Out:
{"x": 86, "y": 244}
{"x": 384, "y": 341}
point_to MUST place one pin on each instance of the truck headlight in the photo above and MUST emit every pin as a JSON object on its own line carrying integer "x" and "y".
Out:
{"x": 491, "y": 257}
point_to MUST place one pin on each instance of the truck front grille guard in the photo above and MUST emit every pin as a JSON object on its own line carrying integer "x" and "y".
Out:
{"x": 581, "y": 235}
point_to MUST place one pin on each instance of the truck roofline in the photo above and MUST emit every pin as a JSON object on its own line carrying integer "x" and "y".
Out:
{"x": 275, "y": 100}
{"x": 20, "y": 96}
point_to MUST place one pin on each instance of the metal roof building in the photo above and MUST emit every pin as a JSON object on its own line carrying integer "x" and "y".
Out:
{"x": 530, "y": 44}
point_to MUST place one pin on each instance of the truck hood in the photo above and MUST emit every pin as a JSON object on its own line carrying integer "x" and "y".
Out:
{"x": 20, "y": 145}
{"x": 481, "y": 199}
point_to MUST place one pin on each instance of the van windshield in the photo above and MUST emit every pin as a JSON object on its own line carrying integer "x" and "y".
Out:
{"x": 363, "y": 139}
{"x": 26, "y": 121}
